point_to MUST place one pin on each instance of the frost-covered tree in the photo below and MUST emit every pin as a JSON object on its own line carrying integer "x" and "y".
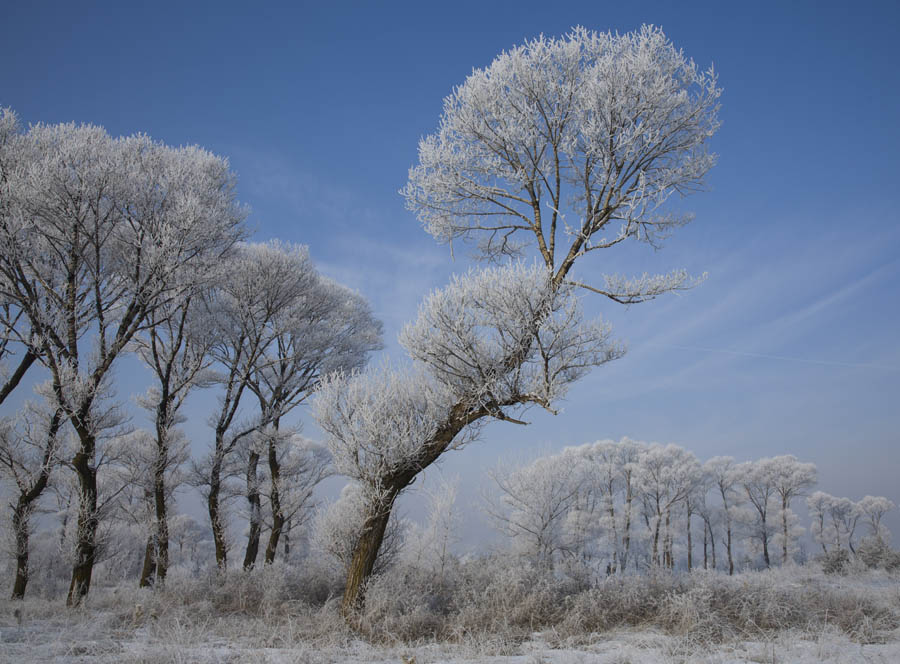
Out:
{"x": 559, "y": 148}
{"x": 176, "y": 347}
{"x": 277, "y": 326}
{"x": 758, "y": 480}
{"x": 430, "y": 546}
{"x": 29, "y": 449}
{"x": 534, "y": 502}
{"x": 665, "y": 476}
{"x": 791, "y": 478}
{"x": 257, "y": 282}
{"x": 338, "y": 526}
{"x": 14, "y": 328}
{"x": 299, "y": 465}
{"x": 873, "y": 509}
{"x": 724, "y": 475}
{"x": 95, "y": 237}
{"x": 326, "y": 327}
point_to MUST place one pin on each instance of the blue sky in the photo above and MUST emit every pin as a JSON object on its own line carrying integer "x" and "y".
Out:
{"x": 791, "y": 345}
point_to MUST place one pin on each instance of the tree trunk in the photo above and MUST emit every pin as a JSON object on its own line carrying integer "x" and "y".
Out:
{"x": 712, "y": 541}
{"x": 784, "y": 533}
{"x": 705, "y": 544}
{"x": 86, "y": 538}
{"x": 26, "y": 501}
{"x": 365, "y": 553}
{"x": 255, "y": 512}
{"x": 627, "y": 543}
{"x": 215, "y": 514}
{"x": 728, "y": 547}
{"x": 690, "y": 548}
{"x": 162, "y": 526}
{"x": 278, "y": 518}
{"x": 163, "y": 424}
{"x": 20, "y": 528}
{"x": 765, "y": 543}
{"x": 148, "y": 566}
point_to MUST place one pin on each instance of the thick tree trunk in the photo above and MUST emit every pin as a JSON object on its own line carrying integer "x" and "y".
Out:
{"x": 20, "y": 528}
{"x": 278, "y": 519}
{"x": 163, "y": 425}
{"x": 24, "y": 364}
{"x": 255, "y": 512}
{"x": 86, "y": 538}
{"x": 148, "y": 566}
{"x": 215, "y": 514}
{"x": 162, "y": 527}
{"x": 364, "y": 555}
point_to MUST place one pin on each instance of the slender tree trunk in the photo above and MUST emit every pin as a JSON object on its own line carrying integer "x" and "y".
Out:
{"x": 764, "y": 535}
{"x": 712, "y": 541}
{"x": 784, "y": 531}
{"x": 690, "y": 547}
{"x": 278, "y": 519}
{"x": 255, "y": 512}
{"x": 705, "y": 544}
{"x": 86, "y": 539}
{"x": 627, "y": 542}
{"x": 287, "y": 540}
{"x": 728, "y": 548}
{"x": 27, "y": 499}
{"x": 655, "y": 556}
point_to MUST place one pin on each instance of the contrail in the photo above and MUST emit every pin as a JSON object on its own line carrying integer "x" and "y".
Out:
{"x": 766, "y": 356}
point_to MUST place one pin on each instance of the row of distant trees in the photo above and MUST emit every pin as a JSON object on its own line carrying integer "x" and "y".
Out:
{"x": 618, "y": 503}
{"x": 125, "y": 245}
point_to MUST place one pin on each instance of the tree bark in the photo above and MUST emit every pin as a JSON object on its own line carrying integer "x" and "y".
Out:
{"x": 627, "y": 543}
{"x": 784, "y": 525}
{"x": 20, "y": 527}
{"x": 690, "y": 547}
{"x": 148, "y": 566}
{"x": 25, "y": 504}
{"x": 705, "y": 545}
{"x": 86, "y": 538}
{"x": 365, "y": 553}
{"x": 255, "y": 512}
{"x": 278, "y": 519}
{"x": 215, "y": 514}
{"x": 764, "y": 535}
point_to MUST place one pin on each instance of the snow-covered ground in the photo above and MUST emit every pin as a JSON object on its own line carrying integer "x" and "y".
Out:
{"x": 49, "y": 641}
{"x": 797, "y": 615}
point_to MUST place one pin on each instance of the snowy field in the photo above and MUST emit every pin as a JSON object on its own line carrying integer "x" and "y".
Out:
{"x": 799, "y": 615}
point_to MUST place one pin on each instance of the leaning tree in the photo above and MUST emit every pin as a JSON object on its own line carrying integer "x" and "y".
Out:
{"x": 559, "y": 149}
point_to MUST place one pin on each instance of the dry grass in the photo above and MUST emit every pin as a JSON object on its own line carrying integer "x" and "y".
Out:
{"x": 481, "y": 608}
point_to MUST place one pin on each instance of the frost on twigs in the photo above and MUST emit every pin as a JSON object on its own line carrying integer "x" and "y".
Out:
{"x": 494, "y": 339}
{"x": 591, "y": 132}
{"x": 504, "y": 336}
{"x": 378, "y": 420}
